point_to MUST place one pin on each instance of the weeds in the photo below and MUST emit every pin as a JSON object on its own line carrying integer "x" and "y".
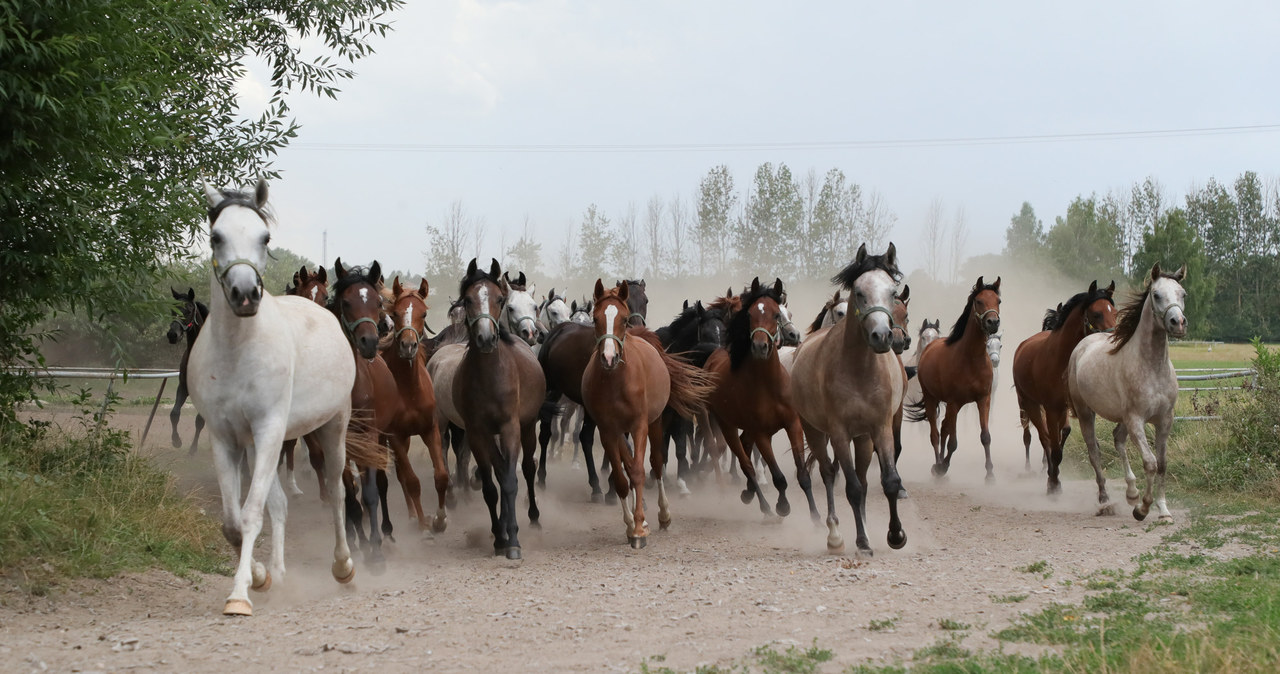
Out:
{"x": 885, "y": 625}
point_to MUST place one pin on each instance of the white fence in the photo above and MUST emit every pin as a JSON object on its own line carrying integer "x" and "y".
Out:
{"x": 1212, "y": 374}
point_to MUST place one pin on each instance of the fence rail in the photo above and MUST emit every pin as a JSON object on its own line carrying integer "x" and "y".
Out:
{"x": 1211, "y": 374}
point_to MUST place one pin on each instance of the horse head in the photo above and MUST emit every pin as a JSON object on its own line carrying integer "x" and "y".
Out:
{"x": 581, "y": 313}
{"x": 759, "y": 322}
{"x": 901, "y": 333}
{"x": 314, "y": 287}
{"x": 929, "y": 331}
{"x": 637, "y": 302}
{"x": 984, "y": 304}
{"x": 521, "y": 312}
{"x": 238, "y": 236}
{"x": 1168, "y": 300}
{"x": 185, "y": 315}
{"x": 555, "y": 311}
{"x": 409, "y": 316}
{"x": 610, "y": 316}
{"x": 482, "y": 295}
{"x": 358, "y": 305}
{"x": 872, "y": 280}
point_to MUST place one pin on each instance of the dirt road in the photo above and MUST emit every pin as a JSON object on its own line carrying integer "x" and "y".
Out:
{"x": 718, "y": 584}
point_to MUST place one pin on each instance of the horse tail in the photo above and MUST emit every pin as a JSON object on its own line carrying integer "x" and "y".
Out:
{"x": 362, "y": 441}
{"x": 550, "y": 409}
{"x": 690, "y": 385}
{"x": 915, "y": 412}
{"x": 911, "y": 371}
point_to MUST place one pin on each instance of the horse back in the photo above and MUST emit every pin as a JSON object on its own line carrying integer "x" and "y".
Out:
{"x": 833, "y": 391}
{"x": 442, "y": 369}
{"x": 949, "y": 374}
{"x": 564, "y": 356}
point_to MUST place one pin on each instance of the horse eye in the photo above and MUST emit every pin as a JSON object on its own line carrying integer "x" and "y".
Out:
{"x": 266, "y": 238}
{"x": 215, "y": 238}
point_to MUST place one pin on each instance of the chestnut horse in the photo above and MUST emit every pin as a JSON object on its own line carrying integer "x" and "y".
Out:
{"x": 1040, "y": 369}
{"x": 502, "y": 397}
{"x": 189, "y": 316}
{"x": 1126, "y": 377}
{"x": 848, "y": 385}
{"x": 416, "y": 413}
{"x": 628, "y": 382}
{"x": 957, "y": 371}
{"x": 753, "y": 393}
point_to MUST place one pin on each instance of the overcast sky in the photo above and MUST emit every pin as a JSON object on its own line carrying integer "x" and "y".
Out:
{"x": 738, "y": 74}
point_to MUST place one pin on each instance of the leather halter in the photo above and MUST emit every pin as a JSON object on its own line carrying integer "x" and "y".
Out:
{"x": 982, "y": 317}
{"x": 221, "y": 273}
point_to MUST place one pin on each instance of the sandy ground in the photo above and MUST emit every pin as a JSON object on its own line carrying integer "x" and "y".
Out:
{"x": 719, "y": 583}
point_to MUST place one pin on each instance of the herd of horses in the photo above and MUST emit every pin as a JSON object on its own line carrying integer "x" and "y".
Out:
{"x": 510, "y": 371}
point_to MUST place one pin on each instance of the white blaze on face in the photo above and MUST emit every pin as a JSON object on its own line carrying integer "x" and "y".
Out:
{"x": 314, "y": 290}
{"x": 610, "y": 351}
{"x": 760, "y": 308}
{"x": 483, "y": 292}
{"x": 364, "y": 294}
{"x": 408, "y": 316}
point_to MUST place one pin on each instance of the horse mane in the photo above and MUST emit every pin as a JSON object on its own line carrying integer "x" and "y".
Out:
{"x": 1050, "y": 318}
{"x": 817, "y": 322}
{"x": 354, "y": 275}
{"x": 957, "y": 331}
{"x": 846, "y": 277}
{"x": 1083, "y": 299}
{"x": 203, "y": 310}
{"x": 243, "y": 198}
{"x": 680, "y": 323}
{"x": 739, "y": 328}
{"x": 1130, "y": 314}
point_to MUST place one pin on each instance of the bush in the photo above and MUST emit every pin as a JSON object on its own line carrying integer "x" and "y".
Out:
{"x": 1251, "y": 452}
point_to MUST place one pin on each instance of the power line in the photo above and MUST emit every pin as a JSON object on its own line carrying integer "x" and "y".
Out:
{"x": 478, "y": 148}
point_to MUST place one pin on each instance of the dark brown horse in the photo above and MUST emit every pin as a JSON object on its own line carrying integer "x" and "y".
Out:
{"x": 189, "y": 316}
{"x": 502, "y": 392}
{"x": 416, "y": 413}
{"x": 628, "y": 382}
{"x": 1040, "y": 369}
{"x": 314, "y": 287}
{"x": 753, "y": 394}
{"x": 957, "y": 371}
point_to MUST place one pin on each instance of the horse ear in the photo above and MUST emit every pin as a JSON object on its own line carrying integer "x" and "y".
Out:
{"x": 532, "y": 290}
{"x": 906, "y": 294}
{"x": 624, "y": 291}
{"x": 471, "y": 268}
{"x": 777, "y": 288}
{"x": 339, "y": 269}
{"x": 260, "y": 193}
{"x": 862, "y": 254}
{"x": 321, "y": 276}
{"x": 755, "y": 285}
{"x": 599, "y": 290}
{"x": 1181, "y": 273}
{"x": 642, "y": 283}
{"x": 685, "y": 307}
{"x": 177, "y": 295}
{"x": 1155, "y": 272}
{"x": 551, "y": 296}
{"x": 523, "y": 280}
{"x": 375, "y": 274}
{"x": 979, "y": 284}
{"x": 1093, "y": 287}
{"x": 996, "y": 285}
{"x": 424, "y": 289}
{"x": 573, "y": 306}
{"x": 191, "y": 294}
{"x": 395, "y": 286}
{"x": 495, "y": 269}
{"x": 697, "y": 306}
{"x": 505, "y": 284}
{"x": 211, "y": 196}
{"x": 891, "y": 256}
{"x": 1111, "y": 289}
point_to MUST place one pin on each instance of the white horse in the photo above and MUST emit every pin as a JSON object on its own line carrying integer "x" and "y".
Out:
{"x": 264, "y": 370}
{"x": 993, "y": 352}
{"x": 555, "y": 310}
{"x": 581, "y": 313}
{"x": 521, "y": 312}
{"x": 1126, "y": 377}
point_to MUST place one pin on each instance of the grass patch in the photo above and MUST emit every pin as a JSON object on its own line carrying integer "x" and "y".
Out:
{"x": 953, "y": 625}
{"x": 885, "y": 625}
{"x": 1041, "y": 567}
{"x": 766, "y": 659}
{"x": 1008, "y": 598}
{"x": 81, "y": 504}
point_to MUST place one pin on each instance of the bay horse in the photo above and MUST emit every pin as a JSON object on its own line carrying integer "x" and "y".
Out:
{"x": 847, "y": 385}
{"x": 627, "y": 383}
{"x": 416, "y": 412}
{"x": 957, "y": 371}
{"x": 266, "y": 369}
{"x": 901, "y": 329}
{"x": 189, "y": 316}
{"x": 503, "y": 395}
{"x": 753, "y": 394}
{"x": 1127, "y": 377}
{"x": 314, "y": 287}
{"x": 1040, "y": 369}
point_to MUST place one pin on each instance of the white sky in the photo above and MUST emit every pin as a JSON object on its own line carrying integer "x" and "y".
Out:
{"x": 553, "y": 72}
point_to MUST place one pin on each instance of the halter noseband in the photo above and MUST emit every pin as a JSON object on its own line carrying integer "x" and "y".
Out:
{"x": 774, "y": 336}
{"x": 622, "y": 343}
{"x": 1165, "y": 315}
{"x": 982, "y": 317}
{"x": 873, "y": 310}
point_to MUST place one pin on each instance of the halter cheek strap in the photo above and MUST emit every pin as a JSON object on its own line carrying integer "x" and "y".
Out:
{"x": 350, "y": 326}
{"x": 1167, "y": 309}
{"x": 221, "y": 273}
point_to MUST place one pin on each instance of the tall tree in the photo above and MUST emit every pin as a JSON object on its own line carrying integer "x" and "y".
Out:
{"x": 834, "y": 230}
{"x": 526, "y": 253}
{"x": 1172, "y": 241}
{"x": 594, "y": 243}
{"x": 449, "y": 245}
{"x": 1024, "y": 239}
{"x": 112, "y": 113}
{"x": 679, "y": 236}
{"x": 935, "y": 232}
{"x": 716, "y": 201}
{"x": 1083, "y": 245}
{"x": 625, "y": 249}
{"x": 959, "y": 239}
{"x": 654, "y": 246}
{"x": 769, "y": 234}
{"x": 1146, "y": 206}
{"x": 876, "y": 222}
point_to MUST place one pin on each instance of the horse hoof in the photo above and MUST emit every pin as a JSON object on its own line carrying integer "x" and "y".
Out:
{"x": 535, "y": 524}
{"x": 1139, "y": 514}
{"x": 439, "y": 524}
{"x": 865, "y": 552}
{"x": 1165, "y": 519}
{"x": 597, "y": 497}
{"x": 513, "y": 553}
{"x": 638, "y": 542}
{"x": 991, "y": 478}
{"x": 177, "y": 441}
{"x": 611, "y": 498}
{"x": 376, "y": 563}
{"x": 746, "y": 496}
{"x": 835, "y": 549}
{"x": 902, "y": 494}
{"x": 784, "y": 508}
{"x": 1106, "y": 510}
{"x": 344, "y": 572}
{"x": 663, "y": 525}
{"x": 938, "y": 470}
{"x": 450, "y": 499}
{"x": 264, "y": 585}
{"x": 898, "y": 541}
{"x": 1054, "y": 488}
{"x": 237, "y": 607}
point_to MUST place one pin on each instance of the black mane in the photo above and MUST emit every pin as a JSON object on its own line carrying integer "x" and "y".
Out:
{"x": 846, "y": 277}
{"x": 957, "y": 331}
{"x": 1083, "y": 299}
{"x": 817, "y": 322}
{"x": 739, "y": 328}
{"x": 354, "y": 275}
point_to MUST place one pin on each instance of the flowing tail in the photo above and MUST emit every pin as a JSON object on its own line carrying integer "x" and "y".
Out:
{"x": 362, "y": 441}
{"x": 690, "y": 386}
{"x": 914, "y": 412}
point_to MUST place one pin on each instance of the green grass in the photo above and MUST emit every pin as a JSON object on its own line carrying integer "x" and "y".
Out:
{"x": 1008, "y": 598}
{"x": 952, "y": 625}
{"x": 766, "y": 659}
{"x": 1041, "y": 567}
{"x": 884, "y": 625}
{"x": 80, "y": 504}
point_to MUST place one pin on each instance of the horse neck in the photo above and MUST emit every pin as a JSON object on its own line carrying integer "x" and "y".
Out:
{"x": 855, "y": 340}
{"x": 1151, "y": 342}
{"x": 407, "y": 372}
{"x": 194, "y": 330}
{"x": 1062, "y": 342}
{"x": 224, "y": 326}
{"x": 974, "y": 340}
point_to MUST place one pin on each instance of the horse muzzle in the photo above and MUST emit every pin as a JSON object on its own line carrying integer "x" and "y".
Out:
{"x": 991, "y": 325}
{"x": 408, "y": 350}
{"x": 880, "y": 340}
{"x": 174, "y": 335}
{"x": 1177, "y": 326}
{"x": 760, "y": 349}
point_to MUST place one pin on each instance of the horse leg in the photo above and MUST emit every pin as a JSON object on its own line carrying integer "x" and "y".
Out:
{"x": 1163, "y": 426}
{"x": 680, "y": 430}
{"x": 408, "y": 479}
{"x": 369, "y": 498}
{"x": 484, "y": 451}
{"x": 795, "y": 435}
{"x": 748, "y": 470}
{"x": 546, "y": 423}
{"x": 263, "y": 456}
{"x": 658, "y": 461}
{"x": 763, "y": 442}
{"x": 1119, "y": 436}
{"x": 984, "y": 422}
{"x": 290, "y": 479}
{"x": 818, "y": 448}
{"x": 383, "y": 490}
{"x": 355, "y": 511}
{"x": 635, "y": 473}
{"x": 892, "y": 484}
{"x": 529, "y": 446}
{"x": 1026, "y": 434}
{"x": 935, "y": 438}
{"x": 508, "y": 460}
{"x": 1086, "y": 418}
{"x": 587, "y": 436}
{"x": 863, "y": 448}
{"x": 175, "y": 414}
{"x": 852, "y": 492}
{"x": 316, "y": 455}
{"x": 195, "y": 439}
{"x": 1053, "y": 419}
{"x": 278, "y": 510}
{"x": 226, "y": 460}
{"x": 949, "y": 436}
{"x": 331, "y": 439}
{"x": 439, "y": 472}
{"x": 1139, "y": 435}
